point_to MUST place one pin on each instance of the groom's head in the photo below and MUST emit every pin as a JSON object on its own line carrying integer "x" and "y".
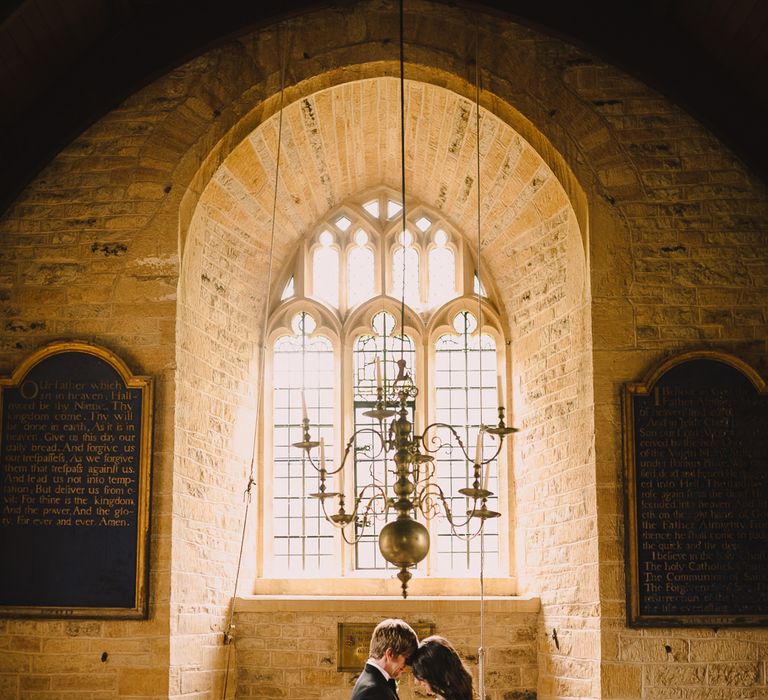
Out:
{"x": 392, "y": 644}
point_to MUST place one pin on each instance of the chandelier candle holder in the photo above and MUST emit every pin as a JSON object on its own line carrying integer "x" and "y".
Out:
{"x": 414, "y": 493}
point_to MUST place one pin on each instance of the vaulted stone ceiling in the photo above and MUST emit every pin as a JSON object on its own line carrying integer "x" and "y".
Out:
{"x": 64, "y": 64}
{"x": 342, "y": 141}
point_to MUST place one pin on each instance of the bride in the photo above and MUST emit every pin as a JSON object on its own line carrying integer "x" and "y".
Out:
{"x": 440, "y": 669}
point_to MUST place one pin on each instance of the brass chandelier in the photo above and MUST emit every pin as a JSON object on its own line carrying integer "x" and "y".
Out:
{"x": 414, "y": 493}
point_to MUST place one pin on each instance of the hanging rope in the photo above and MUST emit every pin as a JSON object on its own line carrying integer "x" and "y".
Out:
{"x": 481, "y": 649}
{"x": 228, "y": 634}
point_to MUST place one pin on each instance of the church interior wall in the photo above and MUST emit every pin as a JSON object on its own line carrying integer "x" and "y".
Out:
{"x": 660, "y": 249}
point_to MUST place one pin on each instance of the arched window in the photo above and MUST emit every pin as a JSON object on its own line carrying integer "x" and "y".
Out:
{"x": 303, "y": 380}
{"x": 325, "y": 270}
{"x": 405, "y": 270}
{"x": 442, "y": 270}
{"x": 384, "y": 345}
{"x": 465, "y": 384}
{"x": 361, "y": 281}
{"x": 354, "y": 254}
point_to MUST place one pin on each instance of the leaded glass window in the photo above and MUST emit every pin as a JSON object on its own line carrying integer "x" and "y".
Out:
{"x": 302, "y": 540}
{"x": 465, "y": 397}
{"x": 405, "y": 260}
{"x": 389, "y": 347}
{"x": 360, "y": 270}
{"x": 442, "y": 271}
{"x": 339, "y": 310}
{"x": 325, "y": 270}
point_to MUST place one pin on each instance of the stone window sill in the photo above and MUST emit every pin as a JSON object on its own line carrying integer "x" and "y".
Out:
{"x": 383, "y": 604}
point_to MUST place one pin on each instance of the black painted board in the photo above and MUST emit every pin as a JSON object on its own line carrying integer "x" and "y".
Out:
{"x": 699, "y": 524}
{"x": 70, "y": 479}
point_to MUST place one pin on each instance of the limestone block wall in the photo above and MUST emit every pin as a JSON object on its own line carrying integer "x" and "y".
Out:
{"x": 554, "y": 453}
{"x": 687, "y": 271}
{"x": 82, "y": 258}
{"x": 287, "y": 648}
{"x": 106, "y": 241}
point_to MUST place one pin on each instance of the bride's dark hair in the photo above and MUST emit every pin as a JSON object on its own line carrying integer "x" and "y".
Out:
{"x": 437, "y": 662}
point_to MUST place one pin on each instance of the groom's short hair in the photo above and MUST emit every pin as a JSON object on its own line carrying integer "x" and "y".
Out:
{"x": 393, "y": 634}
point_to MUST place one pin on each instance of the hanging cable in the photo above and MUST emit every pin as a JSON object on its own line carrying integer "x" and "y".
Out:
{"x": 402, "y": 178}
{"x": 228, "y": 634}
{"x": 481, "y": 649}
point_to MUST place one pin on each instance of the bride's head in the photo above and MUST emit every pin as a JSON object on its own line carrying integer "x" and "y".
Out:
{"x": 440, "y": 668}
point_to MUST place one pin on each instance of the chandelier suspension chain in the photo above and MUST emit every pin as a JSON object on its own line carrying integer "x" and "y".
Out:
{"x": 228, "y": 634}
{"x": 402, "y": 176}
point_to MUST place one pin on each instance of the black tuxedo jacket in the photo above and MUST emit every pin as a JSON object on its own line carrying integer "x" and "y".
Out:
{"x": 371, "y": 685}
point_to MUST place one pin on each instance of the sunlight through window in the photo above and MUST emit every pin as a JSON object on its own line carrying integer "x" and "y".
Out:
{"x": 302, "y": 540}
{"x": 442, "y": 271}
{"x": 372, "y": 208}
{"x": 405, "y": 259}
{"x": 350, "y": 260}
{"x": 325, "y": 270}
{"x": 360, "y": 270}
{"x": 465, "y": 397}
{"x": 389, "y": 348}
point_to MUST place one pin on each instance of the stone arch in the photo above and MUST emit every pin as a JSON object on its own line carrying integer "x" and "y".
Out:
{"x": 533, "y": 243}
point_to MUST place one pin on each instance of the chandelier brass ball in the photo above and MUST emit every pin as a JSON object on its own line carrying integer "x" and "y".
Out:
{"x": 404, "y": 542}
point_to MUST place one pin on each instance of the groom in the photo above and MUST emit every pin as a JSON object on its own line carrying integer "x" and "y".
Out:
{"x": 392, "y": 644}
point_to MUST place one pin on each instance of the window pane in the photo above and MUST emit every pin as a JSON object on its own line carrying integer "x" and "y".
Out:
{"x": 288, "y": 290}
{"x": 423, "y": 223}
{"x": 442, "y": 276}
{"x": 372, "y": 208}
{"x": 370, "y": 466}
{"x": 343, "y": 223}
{"x": 467, "y": 398}
{"x": 325, "y": 275}
{"x": 478, "y": 288}
{"x": 302, "y": 538}
{"x": 393, "y": 208}
{"x": 360, "y": 274}
{"x": 411, "y": 274}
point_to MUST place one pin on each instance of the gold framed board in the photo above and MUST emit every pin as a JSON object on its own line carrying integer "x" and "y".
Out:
{"x": 75, "y": 462}
{"x": 353, "y": 641}
{"x": 696, "y": 494}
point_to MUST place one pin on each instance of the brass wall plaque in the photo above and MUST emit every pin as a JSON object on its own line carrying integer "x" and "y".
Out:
{"x": 354, "y": 639}
{"x": 75, "y": 453}
{"x": 696, "y": 457}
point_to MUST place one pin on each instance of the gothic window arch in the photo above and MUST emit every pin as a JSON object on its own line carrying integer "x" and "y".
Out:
{"x": 337, "y": 314}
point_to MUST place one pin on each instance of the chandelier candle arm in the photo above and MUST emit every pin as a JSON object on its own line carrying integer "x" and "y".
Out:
{"x": 306, "y": 443}
{"x": 404, "y": 542}
{"x": 501, "y": 429}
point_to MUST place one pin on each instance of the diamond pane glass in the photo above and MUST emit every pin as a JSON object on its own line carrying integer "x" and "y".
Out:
{"x": 423, "y": 223}
{"x": 343, "y": 223}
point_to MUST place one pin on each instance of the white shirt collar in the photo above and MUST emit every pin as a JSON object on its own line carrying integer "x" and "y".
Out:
{"x": 375, "y": 663}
